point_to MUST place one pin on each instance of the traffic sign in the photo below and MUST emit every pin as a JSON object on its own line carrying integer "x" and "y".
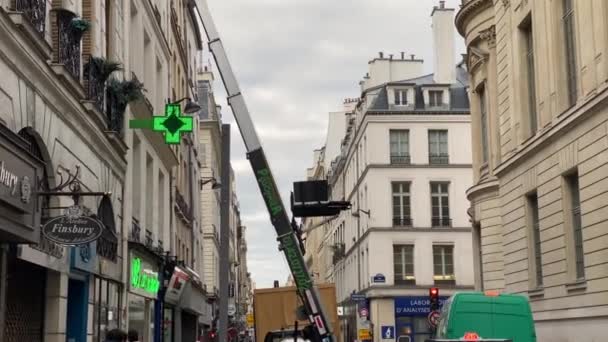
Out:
{"x": 388, "y": 332}
{"x": 433, "y": 318}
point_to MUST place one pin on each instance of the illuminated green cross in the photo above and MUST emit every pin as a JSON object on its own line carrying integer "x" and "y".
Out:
{"x": 172, "y": 124}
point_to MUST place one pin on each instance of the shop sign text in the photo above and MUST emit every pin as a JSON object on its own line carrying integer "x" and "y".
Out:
{"x": 69, "y": 230}
{"x": 143, "y": 279}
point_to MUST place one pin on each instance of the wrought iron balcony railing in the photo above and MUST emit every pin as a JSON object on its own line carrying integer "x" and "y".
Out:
{"x": 183, "y": 205}
{"x": 95, "y": 87}
{"x": 68, "y": 48}
{"x": 441, "y": 222}
{"x": 35, "y": 12}
{"x": 439, "y": 159}
{"x": 402, "y": 221}
{"x": 135, "y": 234}
{"x": 403, "y": 159}
{"x": 339, "y": 252}
{"x": 149, "y": 242}
{"x": 48, "y": 247}
{"x": 107, "y": 245}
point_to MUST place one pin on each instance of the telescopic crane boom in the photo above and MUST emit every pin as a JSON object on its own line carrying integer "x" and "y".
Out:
{"x": 288, "y": 242}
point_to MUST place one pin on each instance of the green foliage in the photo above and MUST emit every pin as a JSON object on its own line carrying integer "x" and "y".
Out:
{"x": 80, "y": 25}
{"x": 101, "y": 68}
{"x": 123, "y": 92}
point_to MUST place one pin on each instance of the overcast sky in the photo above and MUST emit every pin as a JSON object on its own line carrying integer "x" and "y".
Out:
{"x": 296, "y": 60}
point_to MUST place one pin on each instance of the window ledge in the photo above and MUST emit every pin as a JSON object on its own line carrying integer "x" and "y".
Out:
{"x": 536, "y": 293}
{"x": 577, "y": 285}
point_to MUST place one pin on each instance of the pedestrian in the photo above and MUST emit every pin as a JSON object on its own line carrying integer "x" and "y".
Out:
{"x": 133, "y": 336}
{"x": 116, "y": 335}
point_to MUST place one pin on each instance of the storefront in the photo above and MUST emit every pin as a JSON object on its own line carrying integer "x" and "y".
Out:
{"x": 19, "y": 224}
{"x": 411, "y": 317}
{"x": 144, "y": 284}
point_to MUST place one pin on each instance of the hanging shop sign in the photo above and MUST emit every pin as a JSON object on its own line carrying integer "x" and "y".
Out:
{"x": 143, "y": 279}
{"x": 72, "y": 228}
{"x": 178, "y": 281}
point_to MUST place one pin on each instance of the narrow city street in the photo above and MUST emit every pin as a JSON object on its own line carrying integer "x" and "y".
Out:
{"x": 303, "y": 171}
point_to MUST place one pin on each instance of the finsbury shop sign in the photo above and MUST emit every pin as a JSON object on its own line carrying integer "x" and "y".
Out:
{"x": 72, "y": 229}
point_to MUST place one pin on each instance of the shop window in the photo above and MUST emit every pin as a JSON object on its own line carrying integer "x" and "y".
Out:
{"x": 106, "y": 314}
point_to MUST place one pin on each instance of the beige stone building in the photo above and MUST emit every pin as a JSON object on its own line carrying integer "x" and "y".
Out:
{"x": 539, "y": 94}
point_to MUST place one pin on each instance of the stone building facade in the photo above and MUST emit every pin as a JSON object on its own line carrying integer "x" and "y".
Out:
{"x": 539, "y": 106}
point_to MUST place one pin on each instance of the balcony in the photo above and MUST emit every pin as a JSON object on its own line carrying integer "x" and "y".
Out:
{"x": 48, "y": 247}
{"x": 135, "y": 234}
{"x": 68, "y": 43}
{"x": 149, "y": 241}
{"x": 183, "y": 209}
{"x": 441, "y": 222}
{"x": 34, "y": 11}
{"x": 339, "y": 252}
{"x": 403, "y": 159}
{"x": 402, "y": 221}
{"x": 439, "y": 159}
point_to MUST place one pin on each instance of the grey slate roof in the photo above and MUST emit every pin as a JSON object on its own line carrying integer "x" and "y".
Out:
{"x": 459, "y": 100}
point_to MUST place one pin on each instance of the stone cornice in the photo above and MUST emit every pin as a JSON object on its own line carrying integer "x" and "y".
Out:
{"x": 467, "y": 10}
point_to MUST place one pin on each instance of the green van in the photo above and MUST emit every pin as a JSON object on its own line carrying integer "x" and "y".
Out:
{"x": 487, "y": 315}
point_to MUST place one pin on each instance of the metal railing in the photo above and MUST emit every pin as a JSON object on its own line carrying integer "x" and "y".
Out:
{"x": 34, "y": 11}
{"x": 182, "y": 205}
{"x": 48, "y": 247}
{"x": 439, "y": 159}
{"x": 68, "y": 44}
{"x": 403, "y": 159}
{"x": 402, "y": 221}
{"x": 149, "y": 241}
{"x": 441, "y": 222}
{"x": 95, "y": 88}
{"x": 135, "y": 234}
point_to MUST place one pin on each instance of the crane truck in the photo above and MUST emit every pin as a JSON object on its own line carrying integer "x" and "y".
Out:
{"x": 289, "y": 243}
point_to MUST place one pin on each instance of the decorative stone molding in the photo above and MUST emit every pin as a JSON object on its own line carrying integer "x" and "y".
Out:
{"x": 476, "y": 58}
{"x": 489, "y": 35}
{"x": 506, "y": 3}
{"x": 467, "y": 10}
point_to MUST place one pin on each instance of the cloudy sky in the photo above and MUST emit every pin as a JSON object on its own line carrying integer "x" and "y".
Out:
{"x": 296, "y": 60}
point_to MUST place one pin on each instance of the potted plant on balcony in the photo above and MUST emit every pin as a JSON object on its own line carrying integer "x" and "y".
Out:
{"x": 97, "y": 71}
{"x": 79, "y": 26}
{"x": 119, "y": 94}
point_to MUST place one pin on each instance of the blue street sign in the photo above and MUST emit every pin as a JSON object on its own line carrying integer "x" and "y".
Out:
{"x": 357, "y": 297}
{"x": 379, "y": 278}
{"x": 388, "y": 331}
{"x": 415, "y": 306}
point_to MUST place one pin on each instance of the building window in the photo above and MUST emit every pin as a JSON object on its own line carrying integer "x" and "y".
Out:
{"x": 484, "y": 124}
{"x": 574, "y": 210}
{"x": 569, "y": 45}
{"x": 530, "y": 72}
{"x": 443, "y": 264}
{"x": 403, "y": 262}
{"x": 535, "y": 243}
{"x": 106, "y": 309}
{"x": 400, "y": 146}
{"x": 401, "y": 204}
{"x": 435, "y": 98}
{"x": 440, "y": 205}
{"x": 438, "y": 147}
{"x": 401, "y": 97}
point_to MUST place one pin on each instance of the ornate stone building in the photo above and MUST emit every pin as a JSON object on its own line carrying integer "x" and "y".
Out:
{"x": 539, "y": 95}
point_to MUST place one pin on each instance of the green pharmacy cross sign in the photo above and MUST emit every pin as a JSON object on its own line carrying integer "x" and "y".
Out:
{"x": 172, "y": 124}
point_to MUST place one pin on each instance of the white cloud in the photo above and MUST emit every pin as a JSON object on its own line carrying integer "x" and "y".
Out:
{"x": 295, "y": 61}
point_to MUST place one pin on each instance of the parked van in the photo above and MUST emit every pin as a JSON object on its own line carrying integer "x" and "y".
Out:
{"x": 487, "y": 315}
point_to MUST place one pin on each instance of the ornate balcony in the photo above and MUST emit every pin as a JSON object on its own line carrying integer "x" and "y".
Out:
{"x": 48, "y": 247}
{"x": 34, "y": 11}
{"x": 403, "y": 159}
{"x": 441, "y": 222}
{"x": 149, "y": 242}
{"x": 68, "y": 43}
{"x": 182, "y": 206}
{"x": 439, "y": 159}
{"x": 135, "y": 234}
{"x": 95, "y": 85}
{"x": 402, "y": 221}
{"x": 107, "y": 245}
{"x": 339, "y": 252}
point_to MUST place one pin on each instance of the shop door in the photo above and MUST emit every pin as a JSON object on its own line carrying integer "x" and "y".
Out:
{"x": 76, "y": 325}
{"x": 25, "y": 302}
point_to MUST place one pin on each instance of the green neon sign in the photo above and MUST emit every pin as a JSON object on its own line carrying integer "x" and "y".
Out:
{"x": 145, "y": 280}
{"x": 172, "y": 124}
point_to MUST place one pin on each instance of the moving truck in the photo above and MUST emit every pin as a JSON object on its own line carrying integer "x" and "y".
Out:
{"x": 275, "y": 309}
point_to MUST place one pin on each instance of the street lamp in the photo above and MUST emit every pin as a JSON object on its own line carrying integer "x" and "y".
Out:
{"x": 191, "y": 107}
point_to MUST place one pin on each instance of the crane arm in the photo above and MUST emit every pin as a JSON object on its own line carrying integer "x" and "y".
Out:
{"x": 288, "y": 242}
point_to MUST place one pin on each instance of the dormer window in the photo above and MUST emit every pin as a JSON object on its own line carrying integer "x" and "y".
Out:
{"x": 400, "y": 97}
{"x": 436, "y": 98}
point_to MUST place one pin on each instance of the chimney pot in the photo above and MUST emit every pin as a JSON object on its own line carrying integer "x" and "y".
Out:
{"x": 402, "y": 55}
{"x": 441, "y": 4}
{"x": 412, "y": 56}
{"x": 390, "y": 56}
{"x": 381, "y": 54}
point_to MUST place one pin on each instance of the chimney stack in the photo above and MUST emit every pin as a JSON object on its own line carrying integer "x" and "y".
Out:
{"x": 444, "y": 66}
{"x": 402, "y": 55}
{"x": 412, "y": 56}
{"x": 381, "y": 54}
{"x": 390, "y": 56}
